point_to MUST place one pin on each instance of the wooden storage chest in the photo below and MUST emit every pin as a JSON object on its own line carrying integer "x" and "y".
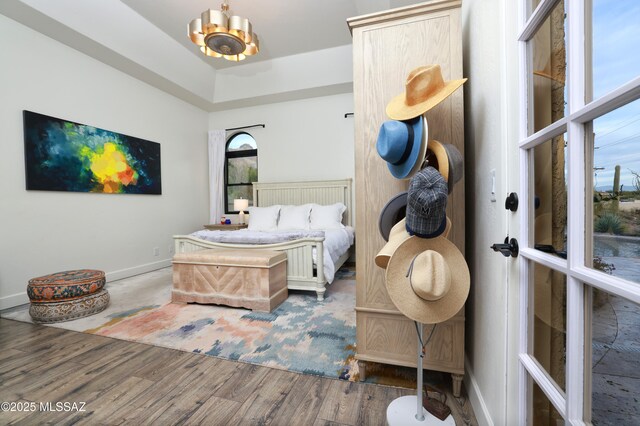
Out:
{"x": 253, "y": 279}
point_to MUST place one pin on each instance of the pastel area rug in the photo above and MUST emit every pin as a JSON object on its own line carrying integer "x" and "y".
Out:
{"x": 301, "y": 335}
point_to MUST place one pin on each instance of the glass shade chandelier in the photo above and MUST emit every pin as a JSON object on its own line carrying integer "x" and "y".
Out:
{"x": 223, "y": 36}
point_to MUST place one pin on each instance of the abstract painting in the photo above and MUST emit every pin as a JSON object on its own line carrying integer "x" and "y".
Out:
{"x": 62, "y": 155}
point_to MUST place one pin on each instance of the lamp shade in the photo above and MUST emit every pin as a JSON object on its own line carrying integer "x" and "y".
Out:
{"x": 240, "y": 204}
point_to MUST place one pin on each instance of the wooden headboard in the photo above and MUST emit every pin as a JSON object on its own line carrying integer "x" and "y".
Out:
{"x": 295, "y": 193}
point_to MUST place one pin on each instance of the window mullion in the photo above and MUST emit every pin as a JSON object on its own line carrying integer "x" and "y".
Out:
{"x": 576, "y": 198}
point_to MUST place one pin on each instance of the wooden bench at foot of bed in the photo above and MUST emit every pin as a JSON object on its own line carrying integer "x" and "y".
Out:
{"x": 253, "y": 279}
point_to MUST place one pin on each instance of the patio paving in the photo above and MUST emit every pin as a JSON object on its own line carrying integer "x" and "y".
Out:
{"x": 616, "y": 363}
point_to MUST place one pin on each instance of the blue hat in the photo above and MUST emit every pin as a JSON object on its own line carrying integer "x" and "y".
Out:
{"x": 402, "y": 144}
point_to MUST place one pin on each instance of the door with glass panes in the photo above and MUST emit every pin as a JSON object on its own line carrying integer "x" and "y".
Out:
{"x": 578, "y": 163}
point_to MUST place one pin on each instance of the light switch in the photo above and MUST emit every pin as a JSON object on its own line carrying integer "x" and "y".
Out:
{"x": 492, "y": 174}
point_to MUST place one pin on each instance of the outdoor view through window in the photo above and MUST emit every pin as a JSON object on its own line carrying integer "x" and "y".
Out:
{"x": 612, "y": 231}
{"x": 616, "y": 216}
{"x": 241, "y": 168}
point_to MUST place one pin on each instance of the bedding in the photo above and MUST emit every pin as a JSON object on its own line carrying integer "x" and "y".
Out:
{"x": 336, "y": 241}
{"x": 247, "y": 236}
{"x": 326, "y": 217}
{"x": 294, "y": 217}
{"x": 263, "y": 218}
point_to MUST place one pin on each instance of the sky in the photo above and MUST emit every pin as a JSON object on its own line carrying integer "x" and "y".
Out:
{"x": 616, "y": 61}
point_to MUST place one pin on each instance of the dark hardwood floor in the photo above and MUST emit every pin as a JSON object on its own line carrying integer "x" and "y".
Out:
{"x": 118, "y": 382}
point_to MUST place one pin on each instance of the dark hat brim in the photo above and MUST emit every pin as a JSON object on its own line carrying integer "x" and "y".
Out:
{"x": 393, "y": 212}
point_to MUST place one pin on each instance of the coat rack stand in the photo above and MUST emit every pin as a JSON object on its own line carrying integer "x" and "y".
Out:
{"x": 408, "y": 410}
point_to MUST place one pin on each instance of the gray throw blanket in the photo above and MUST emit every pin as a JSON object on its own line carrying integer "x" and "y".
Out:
{"x": 245, "y": 236}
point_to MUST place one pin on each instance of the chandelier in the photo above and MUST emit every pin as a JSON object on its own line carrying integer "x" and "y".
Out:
{"x": 223, "y": 36}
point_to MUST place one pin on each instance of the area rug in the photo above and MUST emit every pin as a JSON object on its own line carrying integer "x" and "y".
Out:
{"x": 301, "y": 335}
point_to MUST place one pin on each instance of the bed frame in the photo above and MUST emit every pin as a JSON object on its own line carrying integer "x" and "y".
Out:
{"x": 301, "y": 275}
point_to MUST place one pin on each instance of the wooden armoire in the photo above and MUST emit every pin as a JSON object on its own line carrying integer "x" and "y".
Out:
{"x": 386, "y": 47}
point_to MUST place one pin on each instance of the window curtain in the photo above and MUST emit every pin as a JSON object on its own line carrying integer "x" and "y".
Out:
{"x": 217, "y": 145}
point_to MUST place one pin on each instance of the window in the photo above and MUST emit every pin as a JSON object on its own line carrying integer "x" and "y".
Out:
{"x": 580, "y": 241}
{"x": 240, "y": 169}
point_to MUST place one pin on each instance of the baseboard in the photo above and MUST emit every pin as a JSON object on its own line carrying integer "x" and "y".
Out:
{"x": 13, "y": 300}
{"x": 18, "y": 299}
{"x": 137, "y": 270}
{"x": 475, "y": 396}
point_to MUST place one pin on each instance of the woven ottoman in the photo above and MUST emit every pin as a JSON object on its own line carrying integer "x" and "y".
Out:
{"x": 253, "y": 279}
{"x": 67, "y": 295}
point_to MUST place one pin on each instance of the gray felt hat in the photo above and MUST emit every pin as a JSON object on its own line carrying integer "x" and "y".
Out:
{"x": 393, "y": 212}
{"x": 427, "y": 204}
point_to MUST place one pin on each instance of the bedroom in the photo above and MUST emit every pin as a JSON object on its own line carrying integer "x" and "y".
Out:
{"x": 146, "y": 84}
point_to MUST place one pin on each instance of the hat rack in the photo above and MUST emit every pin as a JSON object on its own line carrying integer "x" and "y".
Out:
{"x": 379, "y": 323}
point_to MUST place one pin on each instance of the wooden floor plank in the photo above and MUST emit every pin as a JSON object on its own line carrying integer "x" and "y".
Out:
{"x": 215, "y": 411}
{"x": 166, "y": 397}
{"x": 162, "y": 362}
{"x": 374, "y": 403}
{"x": 241, "y": 383}
{"x": 338, "y": 405}
{"x": 265, "y": 400}
{"x": 32, "y": 334}
{"x": 131, "y": 383}
{"x": 301, "y": 408}
{"x": 106, "y": 409}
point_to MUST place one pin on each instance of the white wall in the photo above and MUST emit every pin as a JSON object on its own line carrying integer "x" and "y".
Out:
{"x": 486, "y": 123}
{"x": 303, "y": 140}
{"x": 44, "y": 232}
{"x": 317, "y": 69}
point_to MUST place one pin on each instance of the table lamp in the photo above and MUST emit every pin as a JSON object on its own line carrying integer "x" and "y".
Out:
{"x": 241, "y": 204}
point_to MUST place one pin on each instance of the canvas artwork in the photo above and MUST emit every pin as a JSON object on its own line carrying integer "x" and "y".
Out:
{"x": 62, "y": 155}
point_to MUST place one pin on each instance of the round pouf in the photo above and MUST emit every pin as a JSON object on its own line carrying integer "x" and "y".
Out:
{"x": 69, "y": 309}
{"x": 63, "y": 286}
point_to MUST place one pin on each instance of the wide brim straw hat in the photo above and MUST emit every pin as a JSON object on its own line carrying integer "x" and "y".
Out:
{"x": 447, "y": 159}
{"x": 403, "y": 145}
{"x": 436, "y": 287}
{"x": 424, "y": 89}
{"x": 397, "y": 235}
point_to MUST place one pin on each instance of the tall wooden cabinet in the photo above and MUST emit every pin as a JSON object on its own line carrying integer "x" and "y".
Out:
{"x": 386, "y": 47}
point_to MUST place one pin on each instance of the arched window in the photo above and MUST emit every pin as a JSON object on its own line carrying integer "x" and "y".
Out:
{"x": 240, "y": 169}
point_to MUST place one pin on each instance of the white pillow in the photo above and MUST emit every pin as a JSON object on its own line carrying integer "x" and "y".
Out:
{"x": 294, "y": 217}
{"x": 327, "y": 217}
{"x": 263, "y": 218}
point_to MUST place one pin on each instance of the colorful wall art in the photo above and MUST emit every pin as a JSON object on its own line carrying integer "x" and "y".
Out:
{"x": 61, "y": 155}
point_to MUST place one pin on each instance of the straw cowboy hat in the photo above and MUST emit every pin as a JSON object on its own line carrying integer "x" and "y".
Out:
{"x": 403, "y": 145}
{"x": 428, "y": 279}
{"x": 447, "y": 159}
{"x": 427, "y": 204}
{"x": 396, "y": 236}
{"x": 424, "y": 89}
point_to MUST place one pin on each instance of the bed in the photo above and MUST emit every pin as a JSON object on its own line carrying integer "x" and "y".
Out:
{"x": 303, "y": 272}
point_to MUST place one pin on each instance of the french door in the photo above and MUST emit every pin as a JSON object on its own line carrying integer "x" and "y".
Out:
{"x": 579, "y": 215}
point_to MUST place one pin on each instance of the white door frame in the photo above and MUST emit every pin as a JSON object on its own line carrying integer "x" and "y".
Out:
{"x": 580, "y": 278}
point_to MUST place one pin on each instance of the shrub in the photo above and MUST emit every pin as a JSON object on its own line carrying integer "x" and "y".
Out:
{"x": 609, "y": 223}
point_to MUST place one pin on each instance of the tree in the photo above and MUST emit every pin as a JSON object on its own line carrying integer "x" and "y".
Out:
{"x": 636, "y": 180}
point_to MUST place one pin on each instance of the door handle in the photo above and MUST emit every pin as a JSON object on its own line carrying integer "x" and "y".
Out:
{"x": 508, "y": 248}
{"x": 550, "y": 249}
{"x": 511, "y": 203}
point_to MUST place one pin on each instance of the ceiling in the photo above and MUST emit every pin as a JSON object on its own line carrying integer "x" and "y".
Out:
{"x": 305, "y": 45}
{"x": 284, "y": 27}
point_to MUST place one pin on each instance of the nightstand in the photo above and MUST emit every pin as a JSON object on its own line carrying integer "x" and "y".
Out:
{"x": 221, "y": 227}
